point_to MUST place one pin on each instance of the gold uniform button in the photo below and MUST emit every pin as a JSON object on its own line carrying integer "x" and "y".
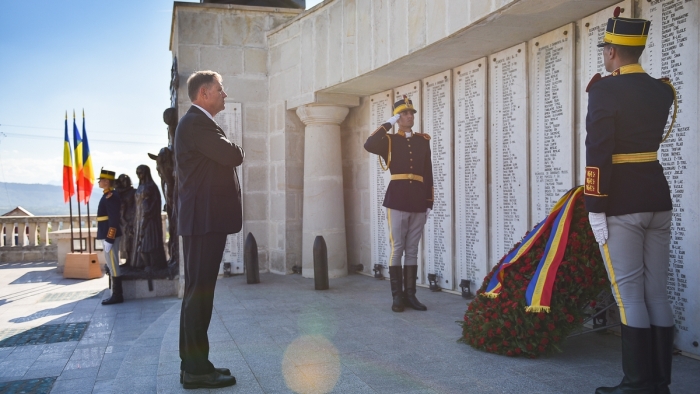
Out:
{"x": 410, "y": 153}
{"x": 409, "y": 145}
{"x": 410, "y": 167}
{"x": 410, "y": 159}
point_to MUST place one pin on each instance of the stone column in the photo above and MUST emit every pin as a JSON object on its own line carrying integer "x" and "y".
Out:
{"x": 324, "y": 208}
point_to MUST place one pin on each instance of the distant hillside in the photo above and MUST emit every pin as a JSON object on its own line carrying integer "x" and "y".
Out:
{"x": 40, "y": 199}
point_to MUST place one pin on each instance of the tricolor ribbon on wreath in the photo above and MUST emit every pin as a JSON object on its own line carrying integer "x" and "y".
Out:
{"x": 539, "y": 291}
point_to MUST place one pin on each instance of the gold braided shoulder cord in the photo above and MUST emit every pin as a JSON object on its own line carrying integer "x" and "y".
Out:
{"x": 675, "y": 110}
{"x": 388, "y": 156}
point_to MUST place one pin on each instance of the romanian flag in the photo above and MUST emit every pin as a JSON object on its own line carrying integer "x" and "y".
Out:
{"x": 68, "y": 188}
{"x": 88, "y": 174}
{"x": 539, "y": 291}
{"x": 496, "y": 284}
{"x": 78, "y": 150}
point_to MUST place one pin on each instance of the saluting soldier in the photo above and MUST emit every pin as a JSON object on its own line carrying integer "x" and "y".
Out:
{"x": 408, "y": 199}
{"x": 629, "y": 202}
{"x": 109, "y": 231}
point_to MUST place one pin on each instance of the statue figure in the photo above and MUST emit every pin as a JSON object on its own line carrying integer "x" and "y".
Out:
{"x": 165, "y": 166}
{"x": 149, "y": 253}
{"x": 170, "y": 118}
{"x": 128, "y": 213}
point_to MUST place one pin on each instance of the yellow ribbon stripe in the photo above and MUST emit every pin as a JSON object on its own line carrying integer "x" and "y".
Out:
{"x": 613, "y": 281}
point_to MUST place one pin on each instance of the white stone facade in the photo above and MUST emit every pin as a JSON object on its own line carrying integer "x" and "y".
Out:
{"x": 287, "y": 68}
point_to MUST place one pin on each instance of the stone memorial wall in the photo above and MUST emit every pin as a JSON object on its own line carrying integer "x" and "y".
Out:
{"x": 590, "y": 62}
{"x": 380, "y": 110}
{"x": 509, "y": 149}
{"x": 230, "y": 121}
{"x": 471, "y": 176}
{"x": 672, "y": 51}
{"x": 437, "y": 122}
{"x": 551, "y": 119}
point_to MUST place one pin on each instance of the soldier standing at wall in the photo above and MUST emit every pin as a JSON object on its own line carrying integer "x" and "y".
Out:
{"x": 629, "y": 202}
{"x": 408, "y": 199}
{"x": 109, "y": 231}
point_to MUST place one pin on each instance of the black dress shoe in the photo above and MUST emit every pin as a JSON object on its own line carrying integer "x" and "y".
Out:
{"x": 223, "y": 371}
{"x": 207, "y": 381}
{"x": 114, "y": 299}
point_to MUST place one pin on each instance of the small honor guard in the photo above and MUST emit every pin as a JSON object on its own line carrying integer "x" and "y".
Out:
{"x": 408, "y": 199}
{"x": 629, "y": 201}
{"x": 109, "y": 231}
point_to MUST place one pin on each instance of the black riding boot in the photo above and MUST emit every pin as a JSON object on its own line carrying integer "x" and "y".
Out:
{"x": 116, "y": 297}
{"x": 410, "y": 274}
{"x": 662, "y": 357}
{"x": 396, "y": 277}
{"x": 636, "y": 363}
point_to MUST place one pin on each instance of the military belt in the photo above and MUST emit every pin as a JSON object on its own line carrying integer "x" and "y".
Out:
{"x": 410, "y": 177}
{"x": 643, "y": 157}
{"x": 102, "y": 218}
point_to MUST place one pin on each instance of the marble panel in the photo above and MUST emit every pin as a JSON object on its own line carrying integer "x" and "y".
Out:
{"x": 416, "y": 25}
{"x": 380, "y": 33}
{"x": 457, "y": 15}
{"x": 672, "y": 51}
{"x": 509, "y": 192}
{"x": 380, "y": 111}
{"x": 364, "y": 35}
{"x": 437, "y": 105}
{"x": 230, "y": 120}
{"x": 349, "y": 40}
{"x": 471, "y": 173}
{"x": 590, "y": 62}
{"x": 321, "y": 50}
{"x": 552, "y": 85}
{"x": 307, "y": 56}
{"x": 335, "y": 38}
{"x": 435, "y": 20}
{"x": 397, "y": 29}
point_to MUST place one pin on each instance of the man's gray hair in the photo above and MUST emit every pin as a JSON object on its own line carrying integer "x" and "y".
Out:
{"x": 199, "y": 79}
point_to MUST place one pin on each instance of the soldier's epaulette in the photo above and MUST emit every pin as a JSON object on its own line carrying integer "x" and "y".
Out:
{"x": 426, "y": 136}
{"x": 597, "y": 77}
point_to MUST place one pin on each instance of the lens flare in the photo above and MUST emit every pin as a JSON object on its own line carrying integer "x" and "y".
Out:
{"x": 311, "y": 365}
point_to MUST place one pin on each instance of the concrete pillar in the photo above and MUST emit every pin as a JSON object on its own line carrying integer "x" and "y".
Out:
{"x": 32, "y": 234}
{"x": 44, "y": 233}
{"x": 323, "y": 209}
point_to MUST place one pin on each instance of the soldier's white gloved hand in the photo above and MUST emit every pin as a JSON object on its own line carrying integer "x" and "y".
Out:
{"x": 427, "y": 212}
{"x": 393, "y": 119}
{"x": 107, "y": 246}
{"x": 599, "y": 225}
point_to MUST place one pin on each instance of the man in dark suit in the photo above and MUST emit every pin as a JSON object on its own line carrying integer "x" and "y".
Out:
{"x": 209, "y": 208}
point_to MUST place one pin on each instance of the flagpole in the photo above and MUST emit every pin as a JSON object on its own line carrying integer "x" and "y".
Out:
{"x": 87, "y": 197}
{"x": 77, "y": 194}
{"x": 70, "y": 198}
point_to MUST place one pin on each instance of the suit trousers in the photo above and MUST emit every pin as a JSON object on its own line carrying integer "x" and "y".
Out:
{"x": 636, "y": 258}
{"x": 405, "y": 232}
{"x": 202, "y": 255}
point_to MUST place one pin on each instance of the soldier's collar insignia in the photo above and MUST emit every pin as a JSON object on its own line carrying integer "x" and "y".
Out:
{"x": 629, "y": 69}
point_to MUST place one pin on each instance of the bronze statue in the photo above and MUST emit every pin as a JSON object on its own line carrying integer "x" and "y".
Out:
{"x": 170, "y": 118}
{"x": 149, "y": 253}
{"x": 128, "y": 213}
{"x": 165, "y": 166}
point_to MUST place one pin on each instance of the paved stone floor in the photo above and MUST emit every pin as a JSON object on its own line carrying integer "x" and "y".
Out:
{"x": 282, "y": 336}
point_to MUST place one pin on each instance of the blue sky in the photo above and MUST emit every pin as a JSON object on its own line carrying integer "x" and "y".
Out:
{"x": 109, "y": 57}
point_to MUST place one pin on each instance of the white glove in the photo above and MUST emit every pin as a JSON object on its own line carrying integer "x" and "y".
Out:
{"x": 427, "y": 212}
{"x": 107, "y": 246}
{"x": 393, "y": 119}
{"x": 599, "y": 225}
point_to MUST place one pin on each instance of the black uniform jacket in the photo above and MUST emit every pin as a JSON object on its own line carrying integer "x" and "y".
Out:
{"x": 408, "y": 156}
{"x": 209, "y": 192}
{"x": 108, "y": 216}
{"x": 627, "y": 113}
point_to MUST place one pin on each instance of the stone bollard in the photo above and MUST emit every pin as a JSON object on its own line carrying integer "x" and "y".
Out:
{"x": 250, "y": 260}
{"x": 320, "y": 264}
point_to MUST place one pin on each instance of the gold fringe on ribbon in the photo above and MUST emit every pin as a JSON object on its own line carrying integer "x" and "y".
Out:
{"x": 490, "y": 295}
{"x": 537, "y": 309}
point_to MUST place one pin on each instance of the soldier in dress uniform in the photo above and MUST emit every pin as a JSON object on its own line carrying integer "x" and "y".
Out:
{"x": 629, "y": 202}
{"x": 408, "y": 199}
{"x": 109, "y": 231}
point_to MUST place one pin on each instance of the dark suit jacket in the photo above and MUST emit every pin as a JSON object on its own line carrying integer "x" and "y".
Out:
{"x": 209, "y": 199}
